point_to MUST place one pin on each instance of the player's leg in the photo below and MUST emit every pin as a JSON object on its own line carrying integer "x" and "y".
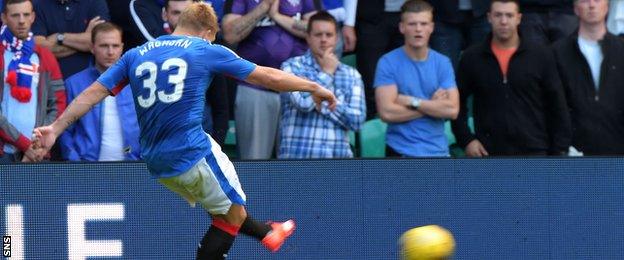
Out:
{"x": 216, "y": 188}
{"x": 220, "y": 236}
{"x": 222, "y": 196}
{"x": 272, "y": 235}
{"x": 255, "y": 229}
{"x": 224, "y": 228}
{"x": 214, "y": 184}
{"x": 226, "y": 217}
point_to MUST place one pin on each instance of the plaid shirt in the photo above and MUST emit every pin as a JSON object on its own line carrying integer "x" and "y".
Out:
{"x": 309, "y": 133}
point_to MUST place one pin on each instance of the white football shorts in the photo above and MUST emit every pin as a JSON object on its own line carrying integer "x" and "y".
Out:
{"x": 212, "y": 182}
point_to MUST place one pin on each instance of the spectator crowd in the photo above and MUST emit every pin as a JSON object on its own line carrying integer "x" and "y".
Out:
{"x": 447, "y": 77}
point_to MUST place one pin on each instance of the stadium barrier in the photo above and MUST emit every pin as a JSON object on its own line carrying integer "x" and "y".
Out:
{"x": 542, "y": 208}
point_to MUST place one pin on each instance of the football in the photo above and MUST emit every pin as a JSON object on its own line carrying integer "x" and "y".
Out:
{"x": 427, "y": 242}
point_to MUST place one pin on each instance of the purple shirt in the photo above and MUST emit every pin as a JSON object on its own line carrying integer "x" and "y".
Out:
{"x": 269, "y": 44}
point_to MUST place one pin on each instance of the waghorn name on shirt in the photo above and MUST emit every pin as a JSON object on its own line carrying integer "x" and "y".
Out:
{"x": 184, "y": 43}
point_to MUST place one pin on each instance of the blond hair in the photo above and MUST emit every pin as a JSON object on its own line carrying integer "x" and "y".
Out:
{"x": 199, "y": 16}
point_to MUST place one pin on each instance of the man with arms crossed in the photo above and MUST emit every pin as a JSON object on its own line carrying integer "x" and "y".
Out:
{"x": 169, "y": 96}
{"x": 415, "y": 88}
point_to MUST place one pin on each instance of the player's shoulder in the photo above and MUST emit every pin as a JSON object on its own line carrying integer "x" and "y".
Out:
{"x": 131, "y": 53}
{"x": 220, "y": 49}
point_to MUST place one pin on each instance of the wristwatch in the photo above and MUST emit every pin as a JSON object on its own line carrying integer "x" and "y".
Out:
{"x": 415, "y": 102}
{"x": 59, "y": 38}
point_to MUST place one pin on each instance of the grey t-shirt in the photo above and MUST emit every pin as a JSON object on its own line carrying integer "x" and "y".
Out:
{"x": 393, "y": 5}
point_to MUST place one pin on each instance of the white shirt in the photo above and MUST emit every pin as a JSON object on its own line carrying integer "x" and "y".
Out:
{"x": 593, "y": 54}
{"x": 111, "y": 148}
{"x": 615, "y": 21}
{"x": 350, "y": 10}
{"x": 338, "y": 14}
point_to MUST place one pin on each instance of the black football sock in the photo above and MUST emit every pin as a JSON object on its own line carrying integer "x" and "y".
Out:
{"x": 254, "y": 228}
{"x": 217, "y": 241}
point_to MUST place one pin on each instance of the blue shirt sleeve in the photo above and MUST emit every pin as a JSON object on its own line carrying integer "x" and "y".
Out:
{"x": 225, "y": 61}
{"x": 384, "y": 74}
{"x": 446, "y": 73}
{"x": 115, "y": 78}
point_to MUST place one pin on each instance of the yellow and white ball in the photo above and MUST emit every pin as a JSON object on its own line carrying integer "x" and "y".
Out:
{"x": 427, "y": 243}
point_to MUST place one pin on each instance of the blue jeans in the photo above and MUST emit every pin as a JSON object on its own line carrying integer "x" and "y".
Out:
{"x": 451, "y": 38}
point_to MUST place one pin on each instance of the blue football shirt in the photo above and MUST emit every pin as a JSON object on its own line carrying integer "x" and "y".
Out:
{"x": 169, "y": 77}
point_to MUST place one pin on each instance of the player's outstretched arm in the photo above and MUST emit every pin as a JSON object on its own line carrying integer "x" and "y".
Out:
{"x": 45, "y": 136}
{"x": 281, "y": 81}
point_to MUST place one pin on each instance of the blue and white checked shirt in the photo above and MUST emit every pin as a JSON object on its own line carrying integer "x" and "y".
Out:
{"x": 309, "y": 133}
